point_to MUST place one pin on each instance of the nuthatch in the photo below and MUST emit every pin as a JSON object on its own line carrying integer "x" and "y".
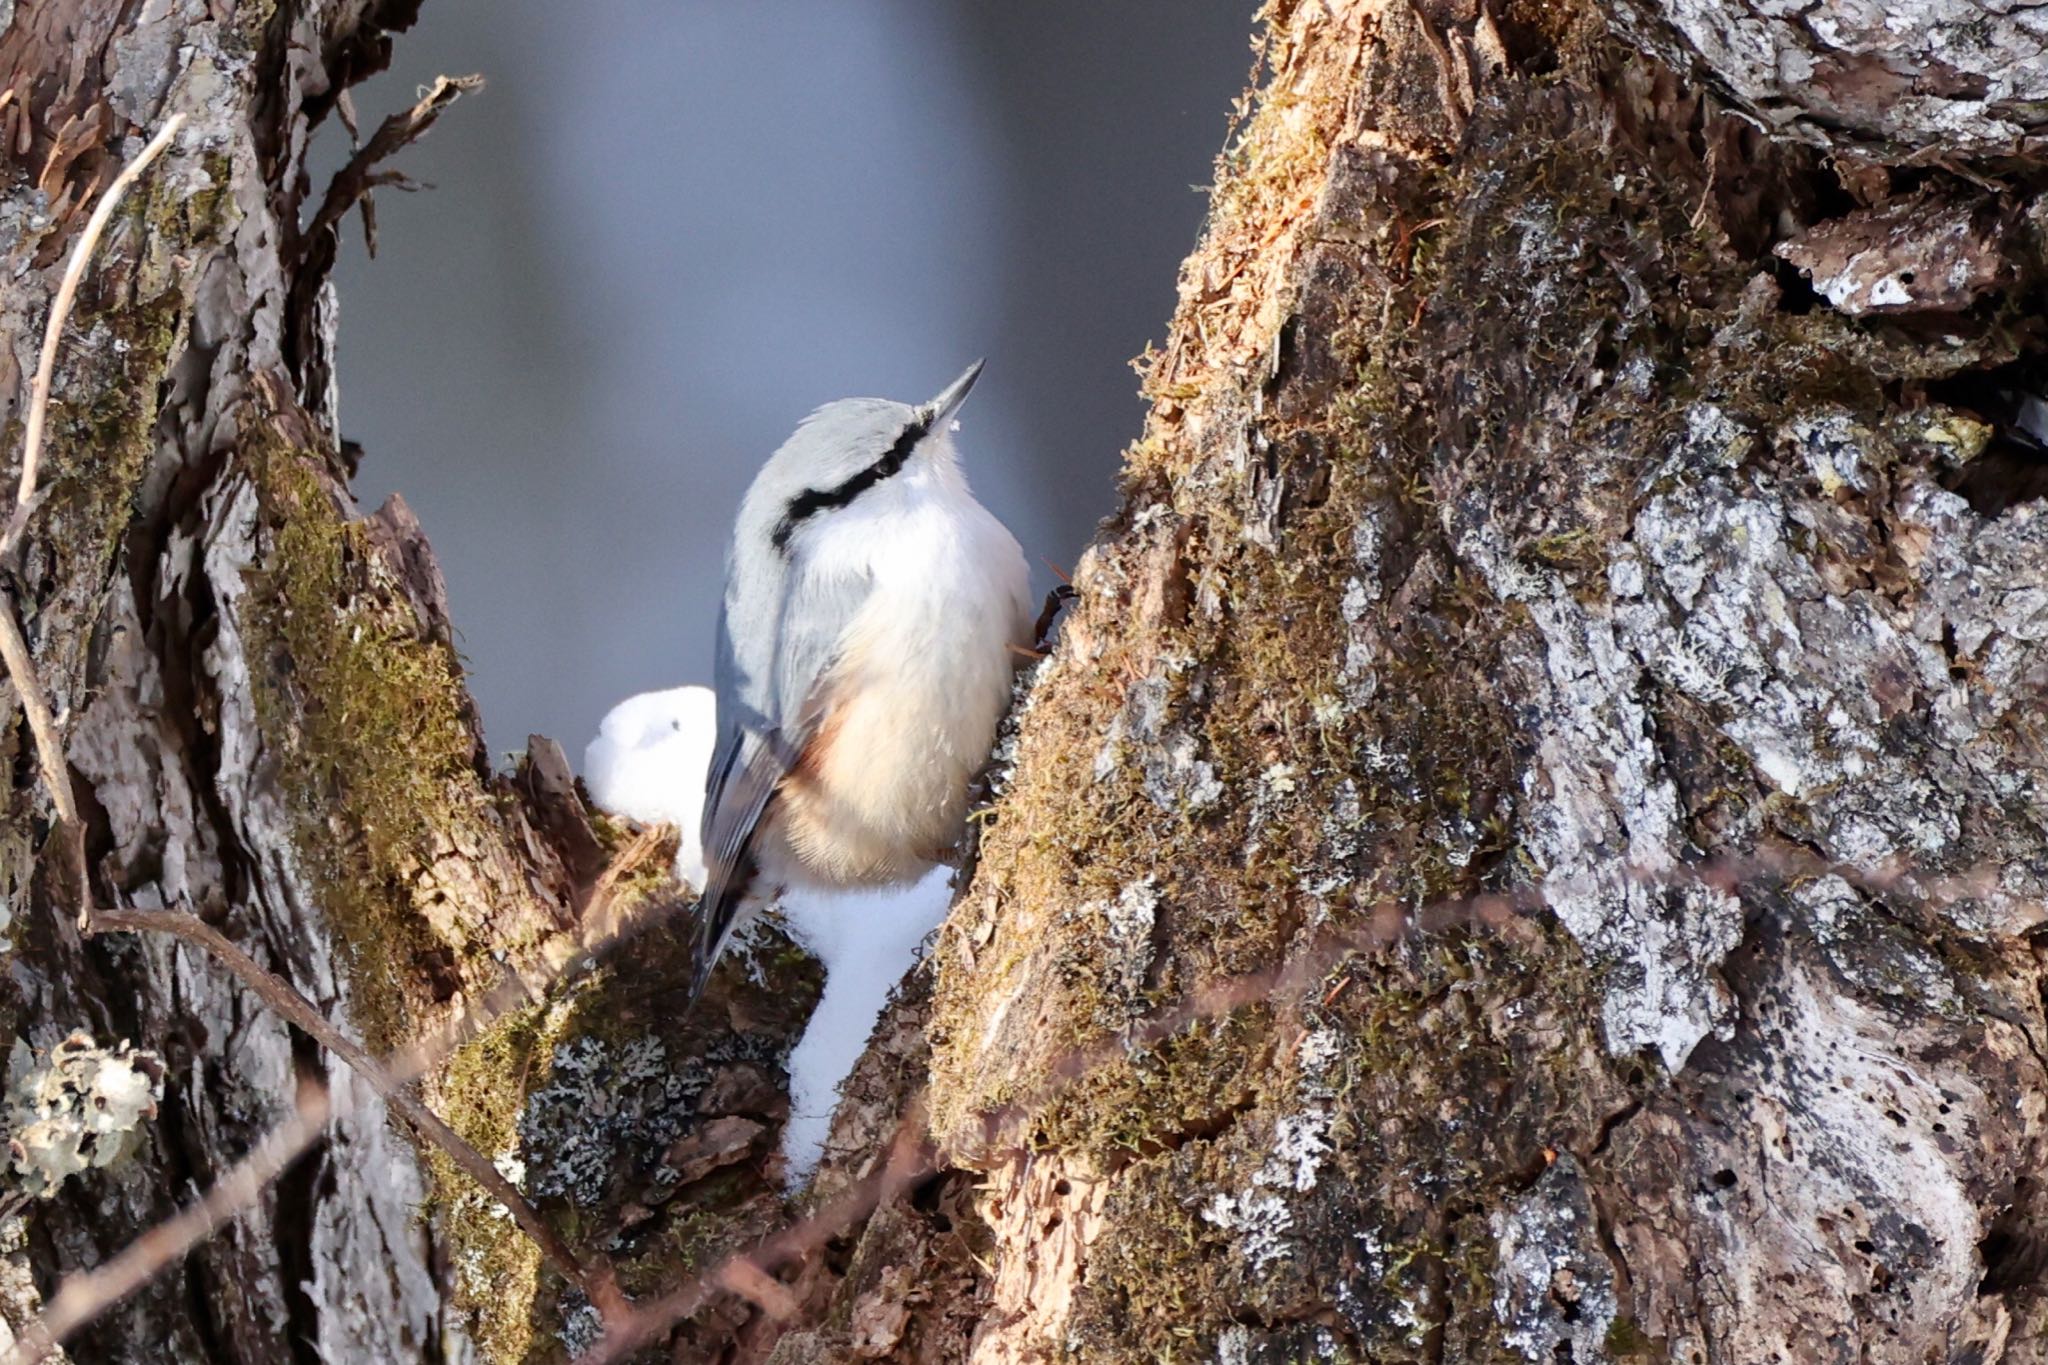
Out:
{"x": 865, "y": 654}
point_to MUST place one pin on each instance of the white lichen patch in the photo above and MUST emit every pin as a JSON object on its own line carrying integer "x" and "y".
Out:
{"x": 1357, "y": 673}
{"x": 1737, "y": 594}
{"x": 1260, "y": 1221}
{"x": 1832, "y": 445}
{"x": 1553, "y": 1289}
{"x": 1127, "y": 925}
{"x": 77, "y": 1108}
{"x": 1300, "y": 1142}
{"x": 1274, "y": 795}
{"x": 1318, "y": 1056}
{"x": 1259, "y": 1217}
{"x": 1132, "y": 916}
{"x": 1023, "y": 694}
{"x": 1603, "y": 821}
{"x": 599, "y": 1097}
{"x": 1171, "y": 772}
{"x": 582, "y": 1325}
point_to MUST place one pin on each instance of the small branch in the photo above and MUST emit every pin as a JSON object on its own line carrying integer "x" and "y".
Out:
{"x": 53, "y": 330}
{"x": 42, "y": 723}
{"x": 750, "y": 1274}
{"x": 85, "y": 1295}
{"x": 35, "y": 703}
{"x": 281, "y": 996}
{"x": 353, "y": 182}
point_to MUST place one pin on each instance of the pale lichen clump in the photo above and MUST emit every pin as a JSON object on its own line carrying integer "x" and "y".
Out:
{"x": 598, "y": 1094}
{"x": 1555, "y": 1292}
{"x": 639, "y": 1128}
{"x": 76, "y": 1108}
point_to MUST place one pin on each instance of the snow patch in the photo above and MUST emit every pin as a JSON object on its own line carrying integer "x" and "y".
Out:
{"x": 866, "y": 940}
{"x": 649, "y": 761}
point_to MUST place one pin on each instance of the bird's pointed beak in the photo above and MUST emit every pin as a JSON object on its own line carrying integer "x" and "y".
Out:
{"x": 947, "y": 403}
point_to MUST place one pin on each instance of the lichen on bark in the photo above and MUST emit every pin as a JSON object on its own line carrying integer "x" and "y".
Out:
{"x": 1510, "y": 521}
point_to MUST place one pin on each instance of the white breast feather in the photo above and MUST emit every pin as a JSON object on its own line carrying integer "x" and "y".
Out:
{"x": 922, "y": 678}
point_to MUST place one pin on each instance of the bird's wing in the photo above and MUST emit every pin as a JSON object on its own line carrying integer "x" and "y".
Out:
{"x": 745, "y": 771}
{"x": 770, "y": 702}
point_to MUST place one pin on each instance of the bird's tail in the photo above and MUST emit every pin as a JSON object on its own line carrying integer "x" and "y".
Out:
{"x": 716, "y": 916}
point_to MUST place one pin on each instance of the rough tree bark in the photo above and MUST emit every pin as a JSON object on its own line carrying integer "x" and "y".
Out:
{"x": 267, "y": 726}
{"x": 1529, "y": 844}
{"x": 1569, "y": 651}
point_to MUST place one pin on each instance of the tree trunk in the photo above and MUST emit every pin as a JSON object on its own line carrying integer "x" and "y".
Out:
{"x": 1534, "y": 826}
{"x": 1527, "y": 846}
{"x": 267, "y": 726}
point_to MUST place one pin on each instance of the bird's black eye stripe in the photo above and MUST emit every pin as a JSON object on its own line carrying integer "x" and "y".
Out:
{"x": 812, "y": 501}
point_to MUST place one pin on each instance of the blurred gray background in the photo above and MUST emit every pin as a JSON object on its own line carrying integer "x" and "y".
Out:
{"x": 667, "y": 229}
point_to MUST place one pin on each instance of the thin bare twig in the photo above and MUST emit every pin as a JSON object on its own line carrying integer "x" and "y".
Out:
{"x": 53, "y": 330}
{"x": 281, "y": 996}
{"x": 14, "y": 652}
{"x": 232, "y": 1196}
{"x": 353, "y": 183}
{"x": 87, "y": 1294}
{"x": 42, "y": 722}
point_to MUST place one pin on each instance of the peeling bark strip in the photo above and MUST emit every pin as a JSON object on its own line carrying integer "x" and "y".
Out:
{"x": 1904, "y": 80}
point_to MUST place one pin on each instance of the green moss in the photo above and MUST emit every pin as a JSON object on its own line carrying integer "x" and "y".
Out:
{"x": 1629, "y": 1341}
{"x": 497, "y": 1270}
{"x": 1192, "y": 1084}
{"x": 99, "y": 432}
{"x": 204, "y": 214}
{"x": 370, "y": 724}
{"x": 1558, "y": 326}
